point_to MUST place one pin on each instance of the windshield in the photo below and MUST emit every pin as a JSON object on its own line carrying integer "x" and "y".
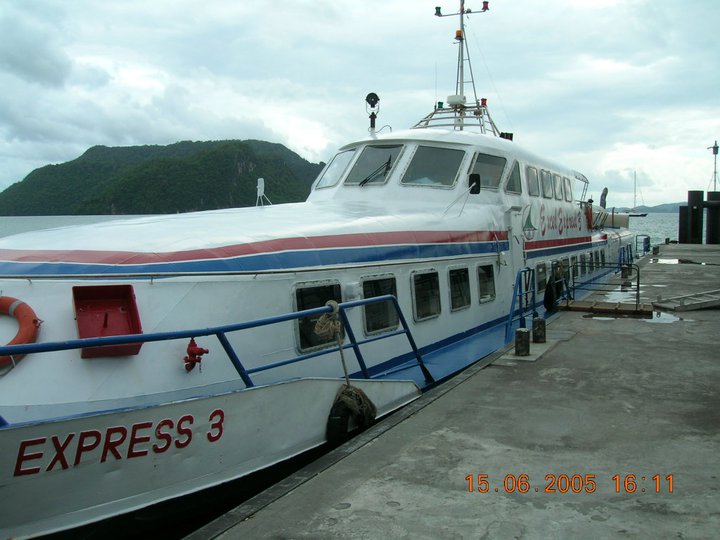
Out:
{"x": 374, "y": 164}
{"x": 432, "y": 166}
{"x": 335, "y": 169}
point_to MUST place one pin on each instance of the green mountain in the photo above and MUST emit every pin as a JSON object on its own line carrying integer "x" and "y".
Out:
{"x": 659, "y": 209}
{"x": 180, "y": 177}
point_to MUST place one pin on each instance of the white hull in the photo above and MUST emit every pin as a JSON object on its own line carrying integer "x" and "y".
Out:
{"x": 116, "y": 462}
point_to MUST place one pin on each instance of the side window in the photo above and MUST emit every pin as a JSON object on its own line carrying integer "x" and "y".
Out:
{"x": 583, "y": 265}
{"x": 486, "y": 281}
{"x": 514, "y": 185}
{"x": 335, "y": 169}
{"x": 459, "y": 288}
{"x": 591, "y": 264}
{"x": 547, "y": 184}
{"x": 597, "y": 260}
{"x": 558, "y": 187}
{"x": 374, "y": 164}
{"x": 574, "y": 265}
{"x": 490, "y": 168}
{"x": 381, "y": 316}
{"x": 308, "y": 297}
{"x": 426, "y": 295}
{"x": 568, "y": 189}
{"x": 602, "y": 257}
{"x": 432, "y": 166}
{"x": 532, "y": 182}
{"x": 541, "y": 277}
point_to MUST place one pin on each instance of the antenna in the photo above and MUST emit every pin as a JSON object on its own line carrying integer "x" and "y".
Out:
{"x": 458, "y": 112}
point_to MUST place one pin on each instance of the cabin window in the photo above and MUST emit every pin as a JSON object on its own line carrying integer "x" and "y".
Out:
{"x": 426, "y": 295}
{"x": 374, "y": 164}
{"x": 602, "y": 257}
{"x": 490, "y": 168}
{"x": 591, "y": 263}
{"x": 431, "y": 166}
{"x": 514, "y": 185}
{"x": 381, "y": 316}
{"x": 459, "y": 288}
{"x": 574, "y": 265}
{"x": 597, "y": 260}
{"x": 568, "y": 189}
{"x": 486, "y": 281}
{"x": 335, "y": 169}
{"x": 583, "y": 269}
{"x": 547, "y": 184}
{"x": 308, "y": 298}
{"x": 541, "y": 276}
{"x": 558, "y": 187}
{"x": 532, "y": 182}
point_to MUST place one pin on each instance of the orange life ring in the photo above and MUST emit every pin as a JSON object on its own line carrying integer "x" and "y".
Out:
{"x": 27, "y": 320}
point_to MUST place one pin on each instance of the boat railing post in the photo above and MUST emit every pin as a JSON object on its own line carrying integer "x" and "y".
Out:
{"x": 426, "y": 373}
{"x": 353, "y": 342}
{"x": 234, "y": 359}
{"x": 517, "y": 293}
{"x": 534, "y": 292}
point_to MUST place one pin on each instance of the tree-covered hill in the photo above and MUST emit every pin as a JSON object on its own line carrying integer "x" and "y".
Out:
{"x": 180, "y": 177}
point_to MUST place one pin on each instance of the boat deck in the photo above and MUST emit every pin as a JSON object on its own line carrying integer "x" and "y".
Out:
{"x": 623, "y": 410}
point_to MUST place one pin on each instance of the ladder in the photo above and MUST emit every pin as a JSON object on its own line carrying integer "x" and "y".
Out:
{"x": 703, "y": 300}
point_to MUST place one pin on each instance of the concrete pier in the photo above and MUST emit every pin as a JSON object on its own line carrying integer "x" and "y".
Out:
{"x": 611, "y": 433}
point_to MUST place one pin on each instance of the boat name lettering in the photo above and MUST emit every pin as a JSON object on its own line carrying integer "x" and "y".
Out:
{"x": 44, "y": 454}
{"x": 559, "y": 220}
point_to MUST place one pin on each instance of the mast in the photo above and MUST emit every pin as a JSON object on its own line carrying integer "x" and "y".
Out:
{"x": 634, "y": 190}
{"x": 458, "y": 113}
{"x": 715, "y": 154}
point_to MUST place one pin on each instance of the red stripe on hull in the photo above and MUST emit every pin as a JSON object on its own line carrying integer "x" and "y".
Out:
{"x": 254, "y": 248}
{"x": 559, "y": 242}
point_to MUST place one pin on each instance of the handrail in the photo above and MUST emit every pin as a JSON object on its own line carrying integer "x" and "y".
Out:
{"x": 591, "y": 282}
{"x": 525, "y": 276}
{"x": 221, "y": 331}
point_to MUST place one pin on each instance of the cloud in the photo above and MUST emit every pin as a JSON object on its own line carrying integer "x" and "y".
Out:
{"x": 605, "y": 87}
{"x": 30, "y": 45}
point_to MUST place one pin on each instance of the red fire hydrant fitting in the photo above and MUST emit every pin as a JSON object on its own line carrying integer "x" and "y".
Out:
{"x": 194, "y": 355}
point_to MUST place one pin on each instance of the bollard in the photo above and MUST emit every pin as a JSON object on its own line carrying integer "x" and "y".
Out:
{"x": 538, "y": 325}
{"x": 625, "y": 272}
{"x": 656, "y": 250}
{"x": 522, "y": 342}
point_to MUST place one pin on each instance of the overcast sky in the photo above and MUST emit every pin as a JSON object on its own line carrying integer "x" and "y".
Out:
{"x": 607, "y": 87}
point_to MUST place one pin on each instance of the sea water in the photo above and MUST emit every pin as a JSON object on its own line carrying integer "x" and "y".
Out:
{"x": 10, "y": 225}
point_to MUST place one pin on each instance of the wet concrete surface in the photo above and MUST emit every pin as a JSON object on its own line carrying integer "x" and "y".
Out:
{"x": 611, "y": 433}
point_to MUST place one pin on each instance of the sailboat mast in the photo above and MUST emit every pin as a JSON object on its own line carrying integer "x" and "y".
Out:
{"x": 634, "y": 190}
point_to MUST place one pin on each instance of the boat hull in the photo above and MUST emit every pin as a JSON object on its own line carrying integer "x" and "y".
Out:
{"x": 72, "y": 471}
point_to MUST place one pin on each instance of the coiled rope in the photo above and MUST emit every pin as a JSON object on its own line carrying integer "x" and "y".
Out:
{"x": 363, "y": 410}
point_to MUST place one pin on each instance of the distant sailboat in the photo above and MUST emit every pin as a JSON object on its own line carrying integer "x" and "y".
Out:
{"x": 633, "y": 212}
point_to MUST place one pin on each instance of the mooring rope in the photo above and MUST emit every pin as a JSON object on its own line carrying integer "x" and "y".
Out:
{"x": 329, "y": 326}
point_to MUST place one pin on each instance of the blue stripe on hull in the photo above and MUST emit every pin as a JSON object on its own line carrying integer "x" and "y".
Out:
{"x": 270, "y": 261}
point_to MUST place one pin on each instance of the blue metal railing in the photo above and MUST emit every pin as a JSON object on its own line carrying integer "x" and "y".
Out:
{"x": 524, "y": 294}
{"x": 221, "y": 333}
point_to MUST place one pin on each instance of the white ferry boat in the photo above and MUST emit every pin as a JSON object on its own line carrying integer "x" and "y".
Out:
{"x": 156, "y": 357}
